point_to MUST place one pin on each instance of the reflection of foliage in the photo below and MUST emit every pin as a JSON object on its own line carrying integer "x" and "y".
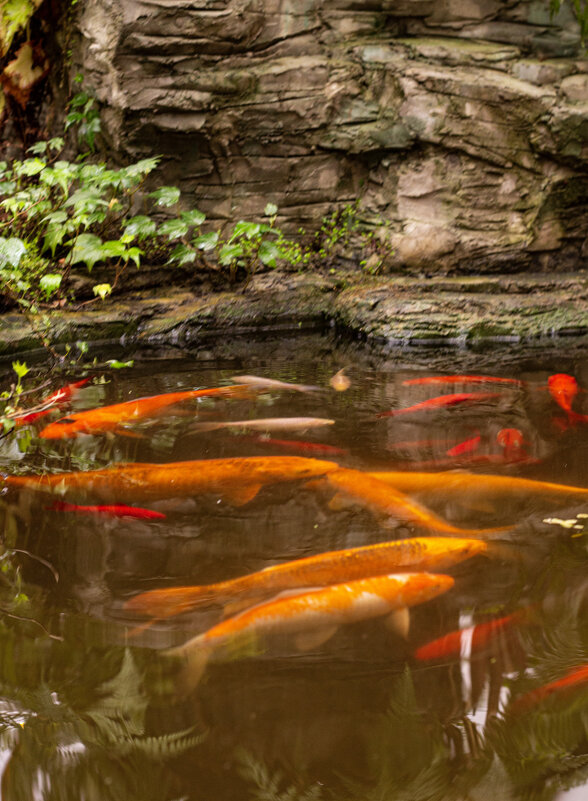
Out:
{"x": 101, "y": 753}
{"x": 270, "y": 786}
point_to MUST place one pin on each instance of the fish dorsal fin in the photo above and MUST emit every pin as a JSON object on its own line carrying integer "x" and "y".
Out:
{"x": 398, "y": 621}
{"x": 239, "y": 496}
{"x": 307, "y": 640}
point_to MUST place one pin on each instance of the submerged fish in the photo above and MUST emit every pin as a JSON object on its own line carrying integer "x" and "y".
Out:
{"x": 512, "y": 441}
{"x": 459, "y": 484}
{"x": 576, "y": 677}
{"x": 467, "y": 446}
{"x": 463, "y": 379}
{"x": 58, "y": 398}
{"x": 114, "y": 510}
{"x": 113, "y": 418}
{"x": 383, "y": 499}
{"x": 294, "y": 445}
{"x": 312, "y": 616}
{"x": 267, "y": 424}
{"x": 443, "y": 402}
{"x": 563, "y": 389}
{"x": 272, "y": 383}
{"x": 469, "y": 641}
{"x": 333, "y": 567}
{"x": 340, "y": 382}
{"x": 236, "y": 480}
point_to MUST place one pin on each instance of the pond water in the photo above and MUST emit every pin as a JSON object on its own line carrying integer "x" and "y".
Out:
{"x": 92, "y": 708}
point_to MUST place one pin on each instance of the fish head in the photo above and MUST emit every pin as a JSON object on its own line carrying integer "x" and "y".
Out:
{"x": 562, "y": 386}
{"x": 422, "y": 587}
{"x": 510, "y": 438}
{"x": 64, "y": 428}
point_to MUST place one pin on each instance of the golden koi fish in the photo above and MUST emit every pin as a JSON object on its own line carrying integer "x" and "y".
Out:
{"x": 236, "y": 480}
{"x": 113, "y": 418}
{"x": 319, "y": 570}
{"x": 353, "y": 486}
{"x": 312, "y": 616}
{"x": 478, "y": 485}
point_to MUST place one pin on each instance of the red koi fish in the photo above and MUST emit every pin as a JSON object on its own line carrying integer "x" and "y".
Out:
{"x": 113, "y": 418}
{"x": 512, "y": 442}
{"x": 463, "y": 379}
{"x": 443, "y": 402}
{"x": 58, "y": 398}
{"x": 294, "y": 445}
{"x": 114, "y": 510}
{"x": 312, "y": 616}
{"x": 576, "y": 677}
{"x": 563, "y": 389}
{"x": 467, "y": 642}
{"x": 467, "y": 446}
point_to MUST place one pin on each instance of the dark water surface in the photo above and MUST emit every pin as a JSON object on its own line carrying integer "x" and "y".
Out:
{"x": 89, "y": 711}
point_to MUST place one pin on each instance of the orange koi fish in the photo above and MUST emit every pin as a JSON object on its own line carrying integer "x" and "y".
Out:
{"x": 294, "y": 445}
{"x": 576, "y": 677}
{"x": 383, "y": 499}
{"x": 271, "y": 383}
{"x": 113, "y": 418}
{"x": 116, "y": 510}
{"x": 311, "y": 616}
{"x": 236, "y": 480}
{"x": 340, "y": 382}
{"x": 443, "y": 402}
{"x": 469, "y": 641}
{"x": 563, "y": 389}
{"x": 463, "y": 379}
{"x": 58, "y": 398}
{"x": 414, "y": 555}
{"x": 457, "y": 484}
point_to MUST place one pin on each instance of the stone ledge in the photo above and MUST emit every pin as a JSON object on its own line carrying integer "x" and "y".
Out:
{"x": 383, "y": 311}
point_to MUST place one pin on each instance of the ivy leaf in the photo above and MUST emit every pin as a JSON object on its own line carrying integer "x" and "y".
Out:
{"x": 270, "y": 210}
{"x": 229, "y": 253}
{"x": 30, "y": 167}
{"x": 268, "y": 253}
{"x": 87, "y": 249}
{"x": 134, "y": 254}
{"x": 141, "y": 168}
{"x": 206, "y": 241}
{"x": 166, "y": 195}
{"x": 140, "y": 227}
{"x": 247, "y": 229}
{"x": 11, "y": 251}
{"x": 182, "y": 254}
{"x": 119, "y": 365}
{"x": 173, "y": 229}
{"x": 193, "y": 217}
{"x": 50, "y": 283}
{"x": 102, "y": 290}
{"x": 54, "y": 236}
{"x": 38, "y": 148}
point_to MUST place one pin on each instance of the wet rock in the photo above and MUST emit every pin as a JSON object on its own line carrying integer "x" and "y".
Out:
{"x": 314, "y": 106}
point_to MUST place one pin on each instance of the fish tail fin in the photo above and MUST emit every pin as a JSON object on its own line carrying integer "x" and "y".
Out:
{"x": 169, "y": 602}
{"x": 488, "y": 533}
{"x": 508, "y": 552}
{"x": 201, "y": 428}
{"x": 191, "y": 660}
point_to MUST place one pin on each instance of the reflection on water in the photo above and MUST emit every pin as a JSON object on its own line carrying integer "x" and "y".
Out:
{"x": 482, "y": 698}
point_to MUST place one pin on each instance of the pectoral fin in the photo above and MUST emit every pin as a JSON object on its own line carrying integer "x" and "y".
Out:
{"x": 399, "y": 622}
{"x": 123, "y": 432}
{"x": 339, "y": 501}
{"x": 239, "y": 496}
{"x": 307, "y": 640}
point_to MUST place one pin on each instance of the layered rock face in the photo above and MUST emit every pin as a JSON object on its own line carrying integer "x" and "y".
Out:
{"x": 460, "y": 126}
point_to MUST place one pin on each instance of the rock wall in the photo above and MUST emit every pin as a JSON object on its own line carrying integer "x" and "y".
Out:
{"x": 461, "y": 126}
